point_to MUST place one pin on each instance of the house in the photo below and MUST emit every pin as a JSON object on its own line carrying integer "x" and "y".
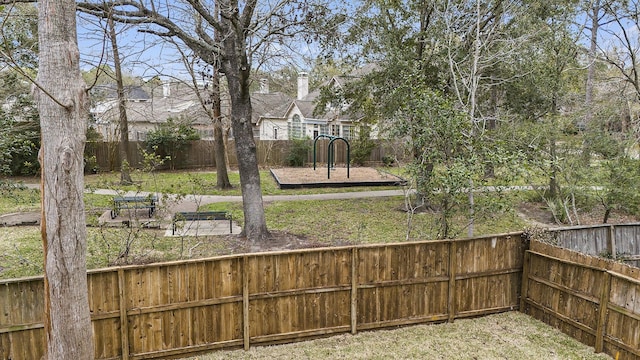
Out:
{"x": 276, "y": 116}
{"x": 297, "y": 119}
{"x": 146, "y": 108}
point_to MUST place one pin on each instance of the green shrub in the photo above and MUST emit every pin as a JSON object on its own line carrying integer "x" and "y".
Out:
{"x": 362, "y": 147}
{"x": 298, "y": 152}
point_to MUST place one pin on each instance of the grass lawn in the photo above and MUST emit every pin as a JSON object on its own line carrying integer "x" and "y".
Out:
{"x": 357, "y": 221}
{"x": 511, "y": 335}
{"x": 203, "y": 183}
{"x": 328, "y": 222}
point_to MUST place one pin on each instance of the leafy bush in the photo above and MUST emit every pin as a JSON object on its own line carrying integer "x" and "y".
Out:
{"x": 170, "y": 138}
{"x": 298, "y": 152}
{"x": 19, "y": 137}
{"x": 362, "y": 146}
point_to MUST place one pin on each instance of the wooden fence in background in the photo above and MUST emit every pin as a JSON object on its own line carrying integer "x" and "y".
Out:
{"x": 594, "y": 300}
{"x": 200, "y": 154}
{"x": 181, "y": 308}
{"x": 620, "y": 242}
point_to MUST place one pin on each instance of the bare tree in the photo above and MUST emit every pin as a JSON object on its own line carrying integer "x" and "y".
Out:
{"x": 123, "y": 146}
{"x": 61, "y": 96}
{"x": 211, "y": 102}
{"x": 243, "y": 28}
{"x": 622, "y": 45}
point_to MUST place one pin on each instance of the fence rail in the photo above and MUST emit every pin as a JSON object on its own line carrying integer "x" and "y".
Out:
{"x": 186, "y": 307}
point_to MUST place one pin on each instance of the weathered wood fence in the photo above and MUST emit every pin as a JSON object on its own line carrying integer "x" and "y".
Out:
{"x": 181, "y": 308}
{"x": 199, "y": 154}
{"x": 594, "y": 300}
{"x": 620, "y": 242}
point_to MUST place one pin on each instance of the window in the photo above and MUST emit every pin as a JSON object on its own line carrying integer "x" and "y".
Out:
{"x": 275, "y": 132}
{"x": 335, "y": 130}
{"x": 324, "y": 129}
{"x": 347, "y": 132}
{"x": 295, "y": 127}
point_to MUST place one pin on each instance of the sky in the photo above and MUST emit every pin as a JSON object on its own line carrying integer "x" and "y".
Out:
{"x": 141, "y": 54}
{"x": 146, "y": 56}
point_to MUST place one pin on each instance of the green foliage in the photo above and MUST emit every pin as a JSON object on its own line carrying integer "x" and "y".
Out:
{"x": 19, "y": 137}
{"x": 104, "y": 75}
{"x": 620, "y": 187}
{"x": 19, "y": 120}
{"x": 362, "y": 146}
{"x": 170, "y": 138}
{"x": 298, "y": 152}
{"x": 19, "y": 37}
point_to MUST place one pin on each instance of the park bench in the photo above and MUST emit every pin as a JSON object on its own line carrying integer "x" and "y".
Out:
{"x": 134, "y": 202}
{"x": 201, "y": 215}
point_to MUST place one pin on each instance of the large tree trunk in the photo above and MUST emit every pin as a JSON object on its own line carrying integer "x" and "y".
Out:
{"x": 123, "y": 146}
{"x": 63, "y": 115}
{"x": 237, "y": 71}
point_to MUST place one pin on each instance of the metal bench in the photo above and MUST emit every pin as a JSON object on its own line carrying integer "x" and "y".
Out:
{"x": 201, "y": 215}
{"x": 134, "y": 202}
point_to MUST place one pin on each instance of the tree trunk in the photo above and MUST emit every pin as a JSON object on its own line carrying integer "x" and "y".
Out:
{"x": 123, "y": 146}
{"x": 63, "y": 115}
{"x": 594, "y": 13}
{"x": 237, "y": 71}
{"x": 222, "y": 176}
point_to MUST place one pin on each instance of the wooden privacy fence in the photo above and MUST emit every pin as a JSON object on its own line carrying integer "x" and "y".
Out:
{"x": 620, "y": 242}
{"x": 593, "y": 300}
{"x": 181, "y": 308}
{"x": 200, "y": 154}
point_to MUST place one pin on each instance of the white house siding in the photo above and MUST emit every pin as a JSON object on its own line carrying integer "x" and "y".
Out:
{"x": 273, "y": 129}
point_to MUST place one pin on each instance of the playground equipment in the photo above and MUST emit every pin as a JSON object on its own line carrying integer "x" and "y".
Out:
{"x": 331, "y": 153}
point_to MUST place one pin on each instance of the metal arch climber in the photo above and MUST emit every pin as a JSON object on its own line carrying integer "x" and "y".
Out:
{"x": 331, "y": 152}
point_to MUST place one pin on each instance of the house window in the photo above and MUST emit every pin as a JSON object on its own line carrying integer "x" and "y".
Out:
{"x": 335, "y": 130}
{"x": 275, "y": 132}
{"x": 295, "y": 127}
{"x": 324, "y": 129}
{"x": 347, "y": 132}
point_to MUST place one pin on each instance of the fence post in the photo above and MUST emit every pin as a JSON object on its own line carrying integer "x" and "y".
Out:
{"x": 245, "y": 301}
{"x": 524, "y": 289}
{"x": 124, "y": 322}
{"x": 611, "y": 243}
{"x": 354, "y": 290}
{"x": 452, "y": 281}
{"x": 602, "y": 311}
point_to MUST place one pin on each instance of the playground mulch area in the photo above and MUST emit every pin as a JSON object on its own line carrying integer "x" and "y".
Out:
{"x": 288, "y": 178}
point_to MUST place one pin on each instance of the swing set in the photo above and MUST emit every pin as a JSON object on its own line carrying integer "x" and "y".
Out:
{"x": 331, "y": 153}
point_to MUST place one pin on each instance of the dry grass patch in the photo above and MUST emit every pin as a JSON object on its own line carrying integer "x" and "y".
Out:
{"x": 510, "y": 335}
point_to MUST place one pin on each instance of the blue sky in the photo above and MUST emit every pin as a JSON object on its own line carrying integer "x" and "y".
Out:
{"x": 141, "y": 54}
